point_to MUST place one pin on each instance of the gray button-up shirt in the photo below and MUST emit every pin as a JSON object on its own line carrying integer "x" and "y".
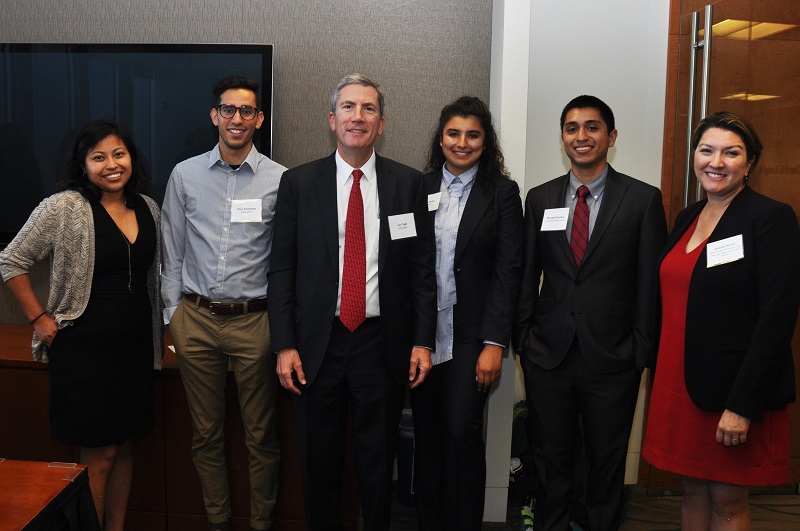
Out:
{"x": 216, "y": 243}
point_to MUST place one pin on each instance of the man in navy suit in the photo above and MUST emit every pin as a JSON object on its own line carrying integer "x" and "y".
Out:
{"x": 592, "y": 237}
{"x": 349, "y": 341}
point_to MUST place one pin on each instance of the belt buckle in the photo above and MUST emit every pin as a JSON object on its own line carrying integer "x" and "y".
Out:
{"x": 213, "y": 305}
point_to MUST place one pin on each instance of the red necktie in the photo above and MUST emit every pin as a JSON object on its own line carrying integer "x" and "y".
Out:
{"x": 352, "y": 311}
{"x": 580, "y": 226}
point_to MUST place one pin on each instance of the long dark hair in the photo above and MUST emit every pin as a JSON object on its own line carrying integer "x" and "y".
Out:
{"x": 491, "y": 167}
{"x": 87, "y": 138}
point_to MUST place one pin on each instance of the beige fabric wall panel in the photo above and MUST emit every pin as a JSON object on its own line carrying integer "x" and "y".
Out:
{"x": 425, "y": 54}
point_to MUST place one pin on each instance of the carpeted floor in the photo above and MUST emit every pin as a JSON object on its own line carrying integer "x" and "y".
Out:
{"x": 651, "y": 513}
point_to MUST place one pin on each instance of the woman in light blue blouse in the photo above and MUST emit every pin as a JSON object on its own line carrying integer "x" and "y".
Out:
{"x": 477, "y": 213}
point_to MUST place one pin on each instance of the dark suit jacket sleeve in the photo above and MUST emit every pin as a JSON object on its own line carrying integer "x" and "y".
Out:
{"x": 652, "y": 236}
{"x": 777, "y": 253}
{"x": 501, "y": 299}
{"x": 282, "y": 271}
{"x": 423, "y": 271}
{"x": 531, "y": 275}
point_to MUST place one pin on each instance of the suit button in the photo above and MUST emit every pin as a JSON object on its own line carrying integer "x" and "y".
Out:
{"x": 578, "y": 282}
{"x": 572, "y": 313}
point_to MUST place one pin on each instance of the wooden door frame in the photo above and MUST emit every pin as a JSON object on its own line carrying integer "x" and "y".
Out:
{"x": 673, "y": 195}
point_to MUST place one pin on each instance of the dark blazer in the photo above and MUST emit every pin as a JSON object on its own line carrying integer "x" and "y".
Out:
{"x": 488, "y": 261}
{"x": 740, "y": 316}
{"x": 304, "y": 265}
{"x": 610, "y": 303}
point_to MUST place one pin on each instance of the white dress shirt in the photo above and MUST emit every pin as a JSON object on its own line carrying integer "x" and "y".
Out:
{"x": 369, "y": 193}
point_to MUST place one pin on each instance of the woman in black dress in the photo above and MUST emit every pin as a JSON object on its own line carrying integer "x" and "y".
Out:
{"x": 100, "y": 328}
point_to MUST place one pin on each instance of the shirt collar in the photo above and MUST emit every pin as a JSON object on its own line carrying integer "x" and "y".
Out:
{"x": 251, "y": 160}
{"x": 595, "y": 186}
{"x": 466, "y": 178}
{"x": 344, "y": 170}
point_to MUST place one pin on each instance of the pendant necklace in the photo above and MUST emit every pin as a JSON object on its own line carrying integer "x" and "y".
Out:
{"x": 128, "y": 245}
{"x": 127, "y": 241}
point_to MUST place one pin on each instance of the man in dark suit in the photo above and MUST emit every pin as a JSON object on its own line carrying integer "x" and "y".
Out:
{"x": 592, "y": 237}
{"x": 352, "y": 297}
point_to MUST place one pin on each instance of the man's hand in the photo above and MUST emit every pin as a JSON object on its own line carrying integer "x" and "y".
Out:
{"x": 420, "y": 366}
{"x": 289, "y": 365}
{"x": 487, "y": 369}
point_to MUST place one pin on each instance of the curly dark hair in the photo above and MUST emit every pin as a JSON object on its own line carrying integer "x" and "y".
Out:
{"x": 491, "y": 166}
{"x": 87, "y": 138}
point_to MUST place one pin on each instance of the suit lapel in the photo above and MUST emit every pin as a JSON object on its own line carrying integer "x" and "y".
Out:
{"x": 681, "y": 225}
{"x": 556, "y": 200}
{"x": 613, "y": 195}
{"x": 327, "y": 193}
{"x": 474, "y": 210}
{"x": 433, "y": 183}
{"x": 386, "y": 189}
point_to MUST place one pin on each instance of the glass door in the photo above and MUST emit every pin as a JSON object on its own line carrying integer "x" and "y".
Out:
{"x": 751, "y": 66}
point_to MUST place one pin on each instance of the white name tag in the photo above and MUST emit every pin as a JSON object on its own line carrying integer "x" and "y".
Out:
{"x": 402, "y": 226}
{"x": 555, "y": 219}
{"x": 433, "y": 201}
{"x": 246, "y": 211}
{"x": 725, "y": 251}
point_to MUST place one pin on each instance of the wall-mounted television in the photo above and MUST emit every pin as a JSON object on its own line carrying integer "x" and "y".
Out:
{"x": 159, "y": 92}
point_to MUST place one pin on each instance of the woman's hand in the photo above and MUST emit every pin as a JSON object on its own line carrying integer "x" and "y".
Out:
{"x": 732, "y": 429}
{"x": 46, "y": 328}
{"x": 487, "y": 370}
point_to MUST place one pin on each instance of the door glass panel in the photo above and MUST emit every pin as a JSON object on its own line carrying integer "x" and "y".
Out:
{"x": 755, "y": 71}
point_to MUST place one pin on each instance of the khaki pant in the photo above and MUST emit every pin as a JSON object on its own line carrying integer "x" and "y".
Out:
{"x": 204, "y": 343}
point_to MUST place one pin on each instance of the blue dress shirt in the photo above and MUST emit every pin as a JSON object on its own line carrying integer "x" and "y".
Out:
{"x": 209, "y": 249}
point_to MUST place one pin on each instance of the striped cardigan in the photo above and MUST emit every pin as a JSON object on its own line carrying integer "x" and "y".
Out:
{"x": 62, "y": 228}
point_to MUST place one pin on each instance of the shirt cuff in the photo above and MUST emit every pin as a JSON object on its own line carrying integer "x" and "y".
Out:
{"x": 487, "y": 342}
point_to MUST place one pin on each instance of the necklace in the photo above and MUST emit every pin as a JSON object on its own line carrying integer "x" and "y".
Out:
{"x": 128, "y": 245}
{"x": 124, "y": 220}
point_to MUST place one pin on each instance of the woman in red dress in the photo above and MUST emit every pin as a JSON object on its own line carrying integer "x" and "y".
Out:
{"x": 729, "y": 296}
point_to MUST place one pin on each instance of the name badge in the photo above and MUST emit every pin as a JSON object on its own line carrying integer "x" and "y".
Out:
{"x": 402, "y": 226}
{"x": 725, "y": 251}
{"x": 555, "y": 219}
{"x": 246, "y": 211}
{"x": 433, "y": 201}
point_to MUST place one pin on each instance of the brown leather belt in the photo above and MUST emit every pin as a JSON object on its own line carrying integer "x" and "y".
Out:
{"x": 227, "y": 308}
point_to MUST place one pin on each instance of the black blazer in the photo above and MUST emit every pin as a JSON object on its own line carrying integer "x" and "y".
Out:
{"x": 304, "y": 265}
{"x": 740, "y": 316}
{"x": 488, "y": 261}
{"x": 610, "y": 303}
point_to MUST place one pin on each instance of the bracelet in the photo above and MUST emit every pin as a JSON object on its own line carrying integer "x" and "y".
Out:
{"x": 37, "y": 317}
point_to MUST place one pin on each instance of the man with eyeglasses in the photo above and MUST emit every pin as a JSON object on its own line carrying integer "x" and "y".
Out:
{"x": 217, "y": 223}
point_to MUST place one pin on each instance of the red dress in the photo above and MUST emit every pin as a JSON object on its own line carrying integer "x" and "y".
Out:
{"x": 681, "y": 438}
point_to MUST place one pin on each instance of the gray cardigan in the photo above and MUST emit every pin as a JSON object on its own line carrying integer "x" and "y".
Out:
{"x": 62, "y": 228}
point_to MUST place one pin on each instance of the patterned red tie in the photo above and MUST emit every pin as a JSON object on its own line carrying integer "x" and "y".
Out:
{"x": 352, "y": 311}
{"x": 580, "y": 226}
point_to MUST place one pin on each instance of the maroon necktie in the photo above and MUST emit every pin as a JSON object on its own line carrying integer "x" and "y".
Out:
{"x": 352, "y": 311}
{"x": 580, "y": 226}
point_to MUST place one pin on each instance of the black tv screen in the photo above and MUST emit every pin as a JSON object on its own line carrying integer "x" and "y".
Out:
{"x": 161, "y": 93}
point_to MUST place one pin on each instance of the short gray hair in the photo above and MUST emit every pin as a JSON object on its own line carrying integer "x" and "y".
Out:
{"x": 356, "y": 79}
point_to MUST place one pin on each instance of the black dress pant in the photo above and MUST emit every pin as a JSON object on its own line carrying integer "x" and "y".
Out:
{"x": 449, "y": 453}
{"x": 352, "y": 377}
{"x": 605, "y": 402}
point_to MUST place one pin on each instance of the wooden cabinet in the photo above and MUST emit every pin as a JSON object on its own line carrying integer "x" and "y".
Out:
{"x": 166, "y": 492}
